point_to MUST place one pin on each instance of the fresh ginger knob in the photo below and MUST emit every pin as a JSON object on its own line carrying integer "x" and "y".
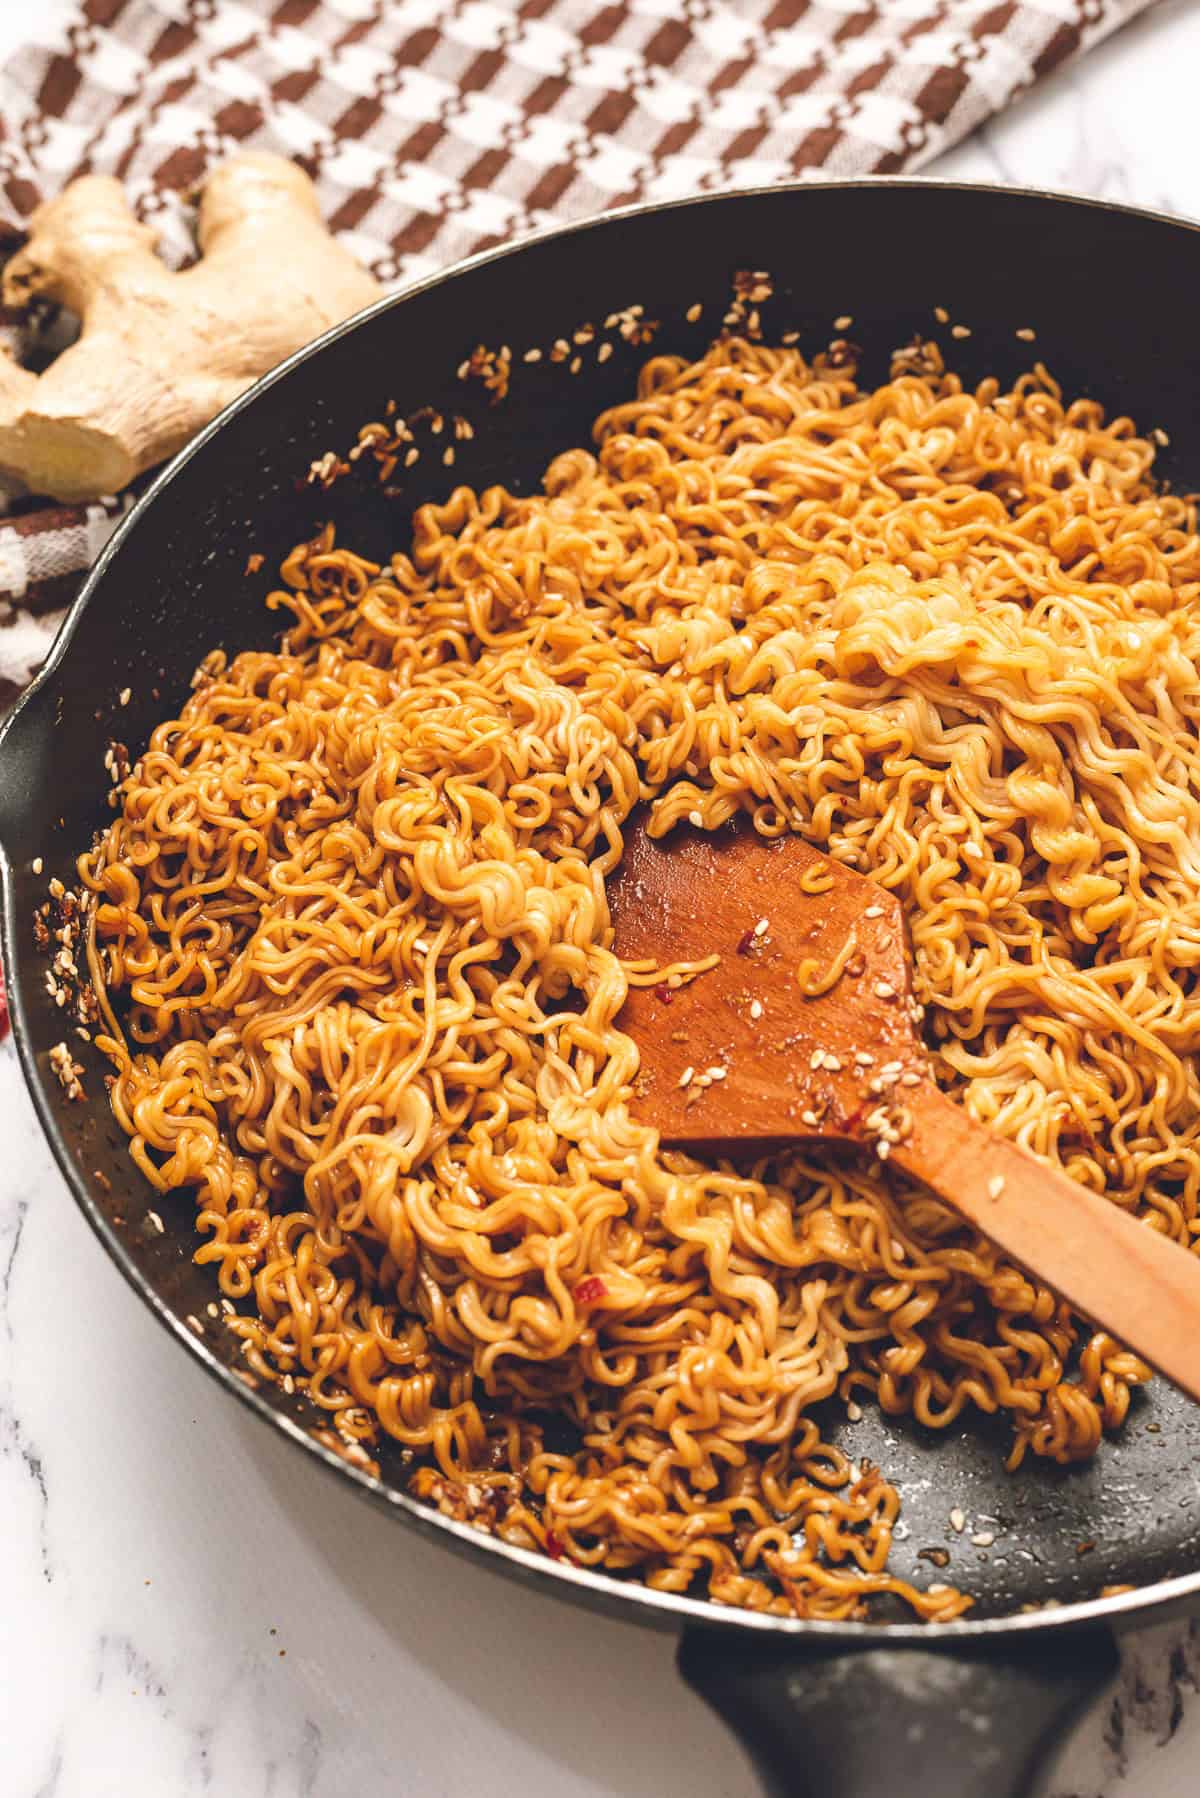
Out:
{"x": 159, "y": 352}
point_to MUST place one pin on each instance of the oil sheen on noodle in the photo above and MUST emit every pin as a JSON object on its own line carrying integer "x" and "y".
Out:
{"x": 352, "y": 915}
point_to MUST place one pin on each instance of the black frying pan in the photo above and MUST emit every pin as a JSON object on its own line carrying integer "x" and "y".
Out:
{"x": 892, "y": 1706}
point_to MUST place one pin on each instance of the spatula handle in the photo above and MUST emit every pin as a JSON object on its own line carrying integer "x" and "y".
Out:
{"x": 1117, "y": 1271}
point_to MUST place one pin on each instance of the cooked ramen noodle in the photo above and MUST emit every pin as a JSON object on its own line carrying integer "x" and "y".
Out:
{"x": 351, "y": 915}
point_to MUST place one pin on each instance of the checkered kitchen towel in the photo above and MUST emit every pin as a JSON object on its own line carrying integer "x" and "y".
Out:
{"x": 435, "y": 127}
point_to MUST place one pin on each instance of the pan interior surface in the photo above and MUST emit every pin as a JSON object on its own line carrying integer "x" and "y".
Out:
{"x": 175, "y": 585}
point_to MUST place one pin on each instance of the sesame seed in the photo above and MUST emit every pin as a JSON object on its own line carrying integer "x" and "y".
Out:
{"x": 983, "y": 1538}
{"x": 995, "y": 1186}
{"x": 756, "y": 1009}
{"x": 873, "y": 911}
{"x": 693, "y": 313}
{"x": 762, "y": 927}
{"x": 685, "y": 1079}
{"x": 958, "y": 1521}
{"x": 1027, "y": 333}
{"x": 884, "y": 990}
{"x": 960, "y": 330}
{"x": 843, "y": 322}
{"x": 36, "y": 864}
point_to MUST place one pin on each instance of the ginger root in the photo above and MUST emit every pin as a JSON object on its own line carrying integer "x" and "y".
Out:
{"x": 159, "y": 353}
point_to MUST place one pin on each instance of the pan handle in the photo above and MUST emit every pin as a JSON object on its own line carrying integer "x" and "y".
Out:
{"x": 976, "y": 1719}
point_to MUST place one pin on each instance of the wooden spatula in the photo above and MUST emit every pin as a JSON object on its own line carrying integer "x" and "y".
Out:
{"x": 807, "y": 1028}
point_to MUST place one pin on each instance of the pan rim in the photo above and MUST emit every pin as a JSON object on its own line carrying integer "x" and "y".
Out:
{"x": 630, "y": 1599}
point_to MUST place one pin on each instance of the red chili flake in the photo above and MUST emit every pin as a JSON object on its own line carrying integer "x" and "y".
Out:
{"x": 665, "y": 995}
{"x": 3, "y": 1008}
{"x": 746, "y": 941}
{"x": 554, "y": 1547}
{"x": 588, "y": 1291}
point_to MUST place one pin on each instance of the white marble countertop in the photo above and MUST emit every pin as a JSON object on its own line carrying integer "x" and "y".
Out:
{"x": 158, "y": 1639}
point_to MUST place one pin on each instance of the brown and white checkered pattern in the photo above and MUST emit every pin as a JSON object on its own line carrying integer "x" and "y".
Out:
{"x": 435, "y": 127}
